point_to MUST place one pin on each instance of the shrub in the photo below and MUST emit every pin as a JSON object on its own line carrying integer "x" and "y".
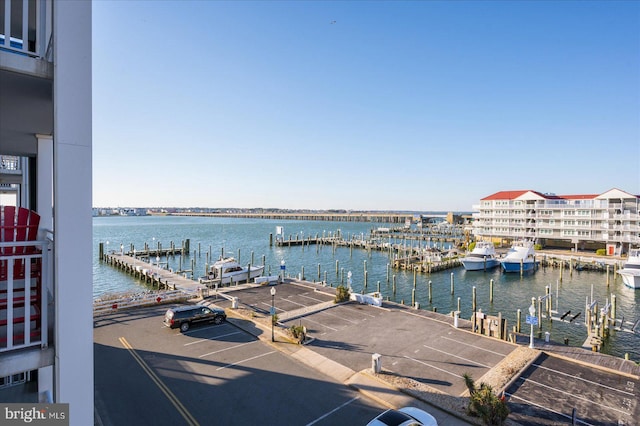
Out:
{"x": 485, "y": 404}
{"x": 537, "y": 246}
{"x": 342, "y": 294}
{"x": 297, "y": 331}
{"x": 601, "y": 252}
{"x": 472, "y": 246}
{"x": 274, "y": 319}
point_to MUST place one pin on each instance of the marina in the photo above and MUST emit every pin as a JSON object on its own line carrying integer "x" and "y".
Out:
{"x": 447, "y": 291}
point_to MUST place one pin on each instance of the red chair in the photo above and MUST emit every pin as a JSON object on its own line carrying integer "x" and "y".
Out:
{"x": 20, "y": 225}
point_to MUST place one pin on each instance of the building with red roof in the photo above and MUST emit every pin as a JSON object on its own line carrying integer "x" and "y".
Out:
{"x": 609, "y": 220}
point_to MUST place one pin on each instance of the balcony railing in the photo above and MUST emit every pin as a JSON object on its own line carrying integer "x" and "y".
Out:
{"x": 24, "y": 281}
{"x": 26, "y": 27}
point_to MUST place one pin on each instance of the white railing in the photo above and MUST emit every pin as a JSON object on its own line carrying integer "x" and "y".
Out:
{"x": 27, "y": 31}
{"x": 9, "y": 163}
{"x": 24, "y": 294}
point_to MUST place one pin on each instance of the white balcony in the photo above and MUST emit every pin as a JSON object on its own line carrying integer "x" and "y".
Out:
{"x": 25, "y": 279}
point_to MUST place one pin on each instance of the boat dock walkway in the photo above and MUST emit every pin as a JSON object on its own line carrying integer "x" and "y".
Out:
{"x": 151, "y": 273}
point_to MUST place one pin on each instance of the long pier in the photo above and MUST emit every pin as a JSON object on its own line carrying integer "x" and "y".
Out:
{"x": 152, "y": 274}
{"x": 325, "y": 216}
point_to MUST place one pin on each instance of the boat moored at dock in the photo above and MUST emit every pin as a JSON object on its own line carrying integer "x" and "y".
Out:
{"x": 228, "y": 270}
{"x": 520, "y": 258}
{"x": 630, "y": 273}
{"x": 481, "y": 258}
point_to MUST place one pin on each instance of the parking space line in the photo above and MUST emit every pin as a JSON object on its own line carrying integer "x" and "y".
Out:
{"x": 585, "y": 380}
{"x": 341, "y": 317}
{"x": 226, "y": 349}
{"x": 473, "y": 346}
{"x": 320, "y": 324}
{"x": 325, "y": 415}
{"x": 312, "y": 298}
{"x": 433, "y": 366}
{"x": 456, "y": 356}
{"x": 510, "y": 395}
{"x": 570, "y": 394}
{"x": 165, "y": 390}
{"x": 194, "y": 330}
{"x": 214, "y": 337}
{"x": 244, "y": 360}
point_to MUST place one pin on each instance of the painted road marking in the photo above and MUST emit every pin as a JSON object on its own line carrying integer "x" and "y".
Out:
{"x": 547, "y": 409}
{"x": 324, "y": 416}
{"x": 214, "y": 337}
{"x": 226, "y": 349}
{"x": 341, "y": 317}
{"x": 165, "y": 390}
{"x": 433, "y": 366}
{"x": 456, "y": 356}
{"x": 244, "y": 360}
{"x": 573, "y": 395}
{"x": 474, "y": 346}
{"x": 585, "y": 380}
{"x": 313, "y": 298}
{"x": 320, "y": 324}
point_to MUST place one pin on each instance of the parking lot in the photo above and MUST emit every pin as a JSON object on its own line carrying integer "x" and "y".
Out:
{"x": 551, "y": 388}
{"x": 146, "y": 373}
{"x": 427, "y": 350}
{"x": 289, "y": 297}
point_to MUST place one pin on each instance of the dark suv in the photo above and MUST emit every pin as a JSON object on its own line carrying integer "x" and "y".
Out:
{"x": 184, "y": 316}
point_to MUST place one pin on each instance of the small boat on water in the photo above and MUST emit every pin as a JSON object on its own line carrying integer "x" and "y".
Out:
{"x": 228, "y": 269}
{"x": 481, "y": 258}
{"x": 521, "y": 256}
{"x": 630, "y": 273}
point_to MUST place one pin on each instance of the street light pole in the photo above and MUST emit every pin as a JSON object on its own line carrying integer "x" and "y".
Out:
{"x": 532, "y": 313}
{"x": 273, "y": 311}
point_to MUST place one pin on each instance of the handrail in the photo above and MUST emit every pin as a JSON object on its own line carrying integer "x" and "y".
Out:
{"x": 33, "y": 32}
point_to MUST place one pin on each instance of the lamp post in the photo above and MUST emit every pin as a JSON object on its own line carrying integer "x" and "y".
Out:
{"x": 273, "y": 311}
{"x": 121, "y": 250}
{"x": 532, "y": 313}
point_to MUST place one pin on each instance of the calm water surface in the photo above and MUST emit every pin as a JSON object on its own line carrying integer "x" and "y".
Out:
{"x": 243, "y": 238}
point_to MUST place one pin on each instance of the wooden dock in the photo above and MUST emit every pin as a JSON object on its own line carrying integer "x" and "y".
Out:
{"x": 152, "y": 274}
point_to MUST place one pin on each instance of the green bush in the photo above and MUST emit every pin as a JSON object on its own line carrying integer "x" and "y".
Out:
{"x": 601, "y": 252}
{"x": 274, "y": 319}
{"x": 342, "y": 294}
{"x": 485, "y": 404}
{"x": 472, "y": 246}
{"x": 537, "y": 246}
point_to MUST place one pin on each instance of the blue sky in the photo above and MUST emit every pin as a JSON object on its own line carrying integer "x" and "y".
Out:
{"x": 362, "y": 105}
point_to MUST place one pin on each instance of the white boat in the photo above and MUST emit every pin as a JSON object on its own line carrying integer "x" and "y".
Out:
{"x": 521, "y": 256}
{"x": 226, "y": 270}
{"x": 630, "y": 273}
{"x": 481, "y": 258}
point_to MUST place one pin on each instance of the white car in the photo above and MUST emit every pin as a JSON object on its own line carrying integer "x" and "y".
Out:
{"x": 407, "y": 416}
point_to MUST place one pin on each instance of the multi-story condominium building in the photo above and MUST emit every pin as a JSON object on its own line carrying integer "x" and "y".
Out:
{"x": 46, "y": 315}
{"x": 582, "y": 222}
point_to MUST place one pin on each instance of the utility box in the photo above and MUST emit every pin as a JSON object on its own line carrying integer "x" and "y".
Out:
{"x": 234, "y": 303}
{"x": 376, "y": 363}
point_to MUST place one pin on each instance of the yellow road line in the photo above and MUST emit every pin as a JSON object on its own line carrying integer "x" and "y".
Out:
{"x": 167, "y": 392}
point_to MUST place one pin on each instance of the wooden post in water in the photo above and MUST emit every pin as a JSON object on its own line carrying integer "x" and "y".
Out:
{"x": 264, "y": 261}
{"x": 614, "y": 309}
{"x": 415, "y": 277}
{"x": 521, "y": 267}
{"x": 252, "y": 256}
{"x": 430, "y": 293}
{"x": 101, "y": 251}
{"x": 394, "y": 284}
{"x": 491, "y": 290}
{"x": 387, "y": 273}
{"x": 607, "y": 275}
{"x": 561, "y": 269}
{"x": 238, "y": 256}
{"x": 337, "y": 265}
{"x": 378, "y": 286}
{"x": 319, "y": 272}
{"x": 271, "y": 239}
{"x": 325, "y": 278}
{"x": 366, "y": 273}
{"x": 301, "y": 271}
{"x": 248, "y": 272}
{"x": 458, "y": 304}
{"x": 198, "y": 248}
{"x": 539, "y": 314}
{"x": 452, "y": 284}
{"x": 518, "y": 319}
{"x": 473, "y": 299}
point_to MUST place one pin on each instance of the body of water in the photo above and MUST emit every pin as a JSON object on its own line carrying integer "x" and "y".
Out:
{"x": 242, "y": 238}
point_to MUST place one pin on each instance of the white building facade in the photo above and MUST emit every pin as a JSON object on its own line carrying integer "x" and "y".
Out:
{"x": 46, "y": 326}
{"x": 590, "y": 221}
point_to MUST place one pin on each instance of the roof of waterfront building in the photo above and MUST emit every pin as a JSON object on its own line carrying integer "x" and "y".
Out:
{"x": 512, "y": 195}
